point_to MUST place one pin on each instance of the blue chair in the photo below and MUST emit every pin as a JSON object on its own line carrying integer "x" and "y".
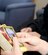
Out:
{"x": 19, "y": 15}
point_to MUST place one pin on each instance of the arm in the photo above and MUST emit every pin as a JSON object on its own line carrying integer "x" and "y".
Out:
{"x": 37, "y": 26}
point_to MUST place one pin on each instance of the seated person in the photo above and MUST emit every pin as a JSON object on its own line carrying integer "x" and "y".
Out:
{"x": 32, "y": 40}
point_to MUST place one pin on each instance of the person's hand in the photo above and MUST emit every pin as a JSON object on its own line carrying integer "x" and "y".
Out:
{"x": 16, "y": 49}
{"x": 27, "y": 29}
{"x": 33, "y": 43}
{"x": 31, "y": 33}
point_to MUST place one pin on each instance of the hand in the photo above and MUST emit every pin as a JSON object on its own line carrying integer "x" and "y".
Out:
{"x": 35, "y": 34}
{"x": 16, "y": 49}
{"x": 31, "y": 33}
{"x": 27, "y": 29}
{"x": 33, "y": 43}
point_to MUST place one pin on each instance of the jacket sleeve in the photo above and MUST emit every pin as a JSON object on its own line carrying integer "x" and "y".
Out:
{"x": 44, "y": 38}
{"x": 37, "y": 25}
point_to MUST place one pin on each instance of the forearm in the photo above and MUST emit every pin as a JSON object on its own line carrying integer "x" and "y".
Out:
{"x": 46, "y": 52}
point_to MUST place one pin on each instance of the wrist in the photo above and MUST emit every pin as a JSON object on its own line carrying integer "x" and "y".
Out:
{"x": 44, "y": 47}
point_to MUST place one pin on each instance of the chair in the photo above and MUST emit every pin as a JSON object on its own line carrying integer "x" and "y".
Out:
{"x": 19, "y": 15}
{"x": 25, "y": 10}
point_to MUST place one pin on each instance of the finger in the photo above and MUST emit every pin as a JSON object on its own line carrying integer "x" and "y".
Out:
{"x": 35, "y": 34}
{"x": 16, "y": 48}
{"x": 26, "y": 30}
{"x": 21, "y": 34}
{"x": 24, "y": 34}
{"x": 22, "y": 40}
{"x": 29, "y": 29}
{"x": 32, "y": 40}
{"x": 23, "y": 30}
{"x": 15, "y": 43}
{"x": 31, "y": 47}
{"x": 26, "y": 40}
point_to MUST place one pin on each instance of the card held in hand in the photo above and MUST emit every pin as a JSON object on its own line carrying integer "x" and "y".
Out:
{"x": 6, "y": 38}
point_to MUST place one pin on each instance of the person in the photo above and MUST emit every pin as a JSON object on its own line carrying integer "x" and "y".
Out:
{"x": 31, "y": 42}
{"x": 40, "y": 26}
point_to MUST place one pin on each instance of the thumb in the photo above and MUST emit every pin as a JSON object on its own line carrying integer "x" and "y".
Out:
{"x": 31, "y": 47}
{"x": 15, "y": 43}
{"x": 16, "y": 48}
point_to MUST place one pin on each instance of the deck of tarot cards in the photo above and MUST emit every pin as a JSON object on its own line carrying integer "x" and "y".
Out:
{"x": 6, "y": 35}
